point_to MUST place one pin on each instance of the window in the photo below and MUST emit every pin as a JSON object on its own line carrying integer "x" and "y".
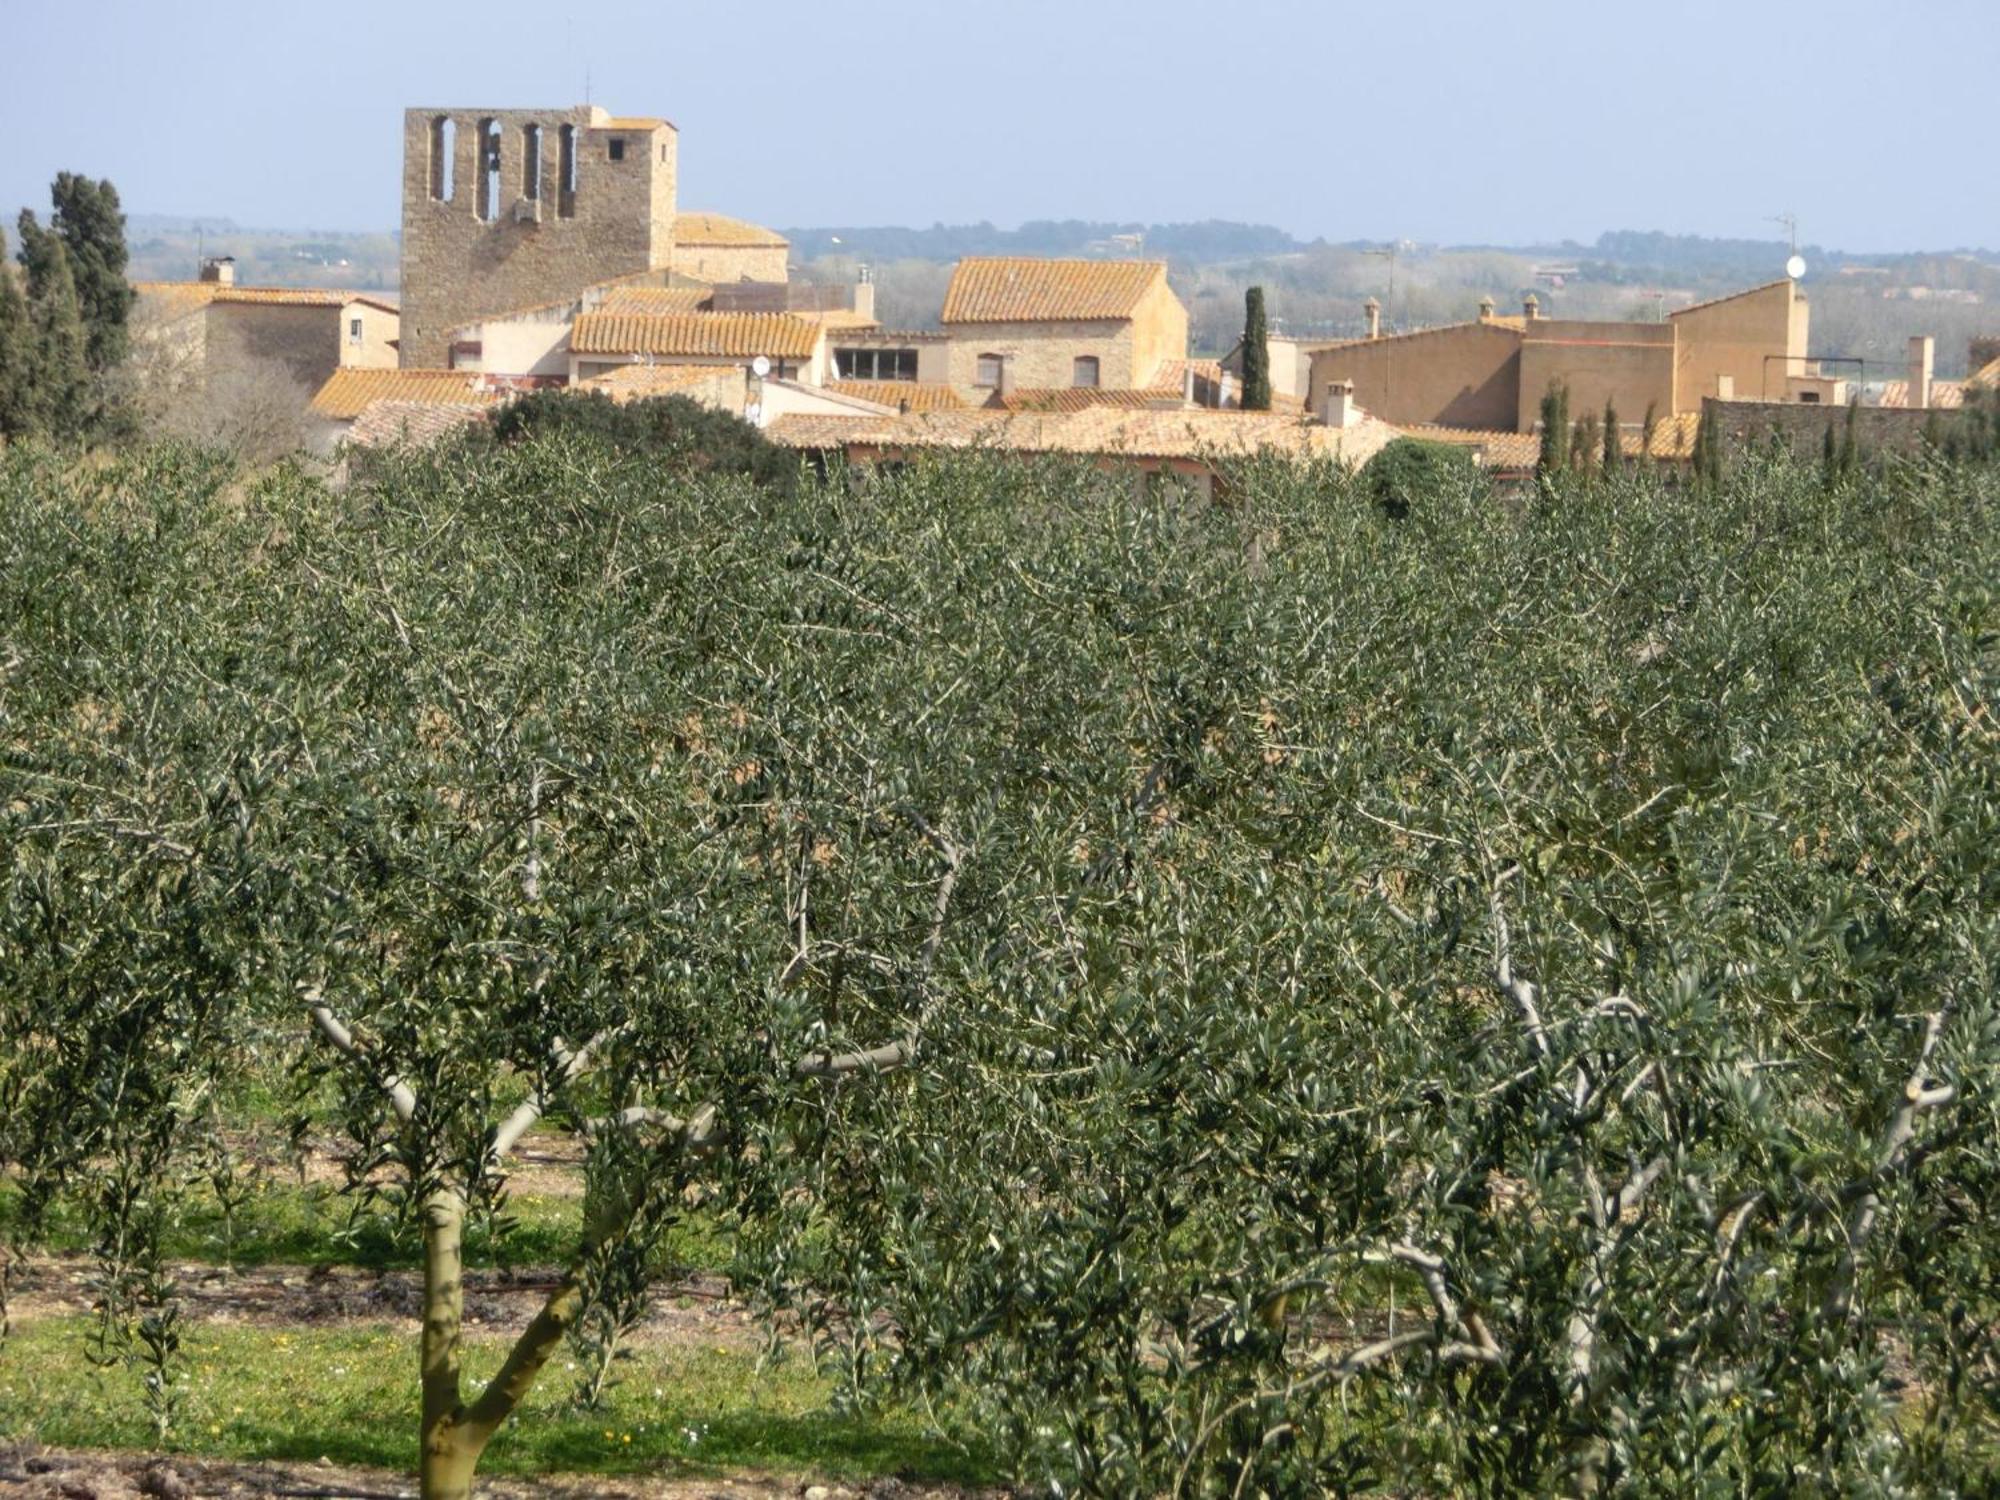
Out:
{"x": 987, "y": 372}
{"x": 1810, "y": 398}
{"x": 618, "y": 148}
{"x": 489, "y": 170}
{"x": 876, "y": 364}
{"x": 353, "y": 330}
{"x": 1084, "y": 370}
{"x": 531, "y": 162}
{"x": 566, "y": 173}
{"x": 443, "y": 141}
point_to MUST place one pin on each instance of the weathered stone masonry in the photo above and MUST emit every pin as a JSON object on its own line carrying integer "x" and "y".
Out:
{"x": 508, "y": 208}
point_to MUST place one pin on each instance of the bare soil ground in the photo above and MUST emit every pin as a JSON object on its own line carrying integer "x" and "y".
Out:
{"x": 696, "y": 1310}
{"x": 60, "y": 1474}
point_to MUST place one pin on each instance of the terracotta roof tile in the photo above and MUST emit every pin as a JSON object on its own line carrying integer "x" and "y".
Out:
{"x": 1987, "y": 378}
{"x": 717, "y": 383}
{"x": 1084, "y": 397}
{"x": 1946, "y": 395}
{"x": 1104, "y": 432}
{"x": 417, "y": 423}
{"x": 1015, "y": 289}
{"x": 347, "y": 393}
{"x": 655, "y": 300}
{"x": 178, "y": 296}
{"x": 1673, "y": 439}
{"x": 716, "y": 335}
{"x": 914, "y": 394}
{"x": 720, "y": 229}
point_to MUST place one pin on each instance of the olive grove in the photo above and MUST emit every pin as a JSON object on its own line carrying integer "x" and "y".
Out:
{"x": 1484, "y": 994}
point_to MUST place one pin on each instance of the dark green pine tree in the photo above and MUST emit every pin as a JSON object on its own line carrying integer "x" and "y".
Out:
{"x": 1614, "y": 450}
{"x": 1554, "y": 455}
{"x": 60, "y": 393}
{"x": 1256, "y": 352}
{"x": 17, "y": 347}
{"x": 91, "y": 226}
{"x": 1647, "y": 431}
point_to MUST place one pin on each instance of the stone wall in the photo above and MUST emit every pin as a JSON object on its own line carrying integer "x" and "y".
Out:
{"x": 717, "y": 264}
{"x": 1803, "y": 428}
{"x": 305, "y": 340}
{"x": 476, "y": 243}
{"x": 375, "y": 349}
{"x": 1041, "y": 355}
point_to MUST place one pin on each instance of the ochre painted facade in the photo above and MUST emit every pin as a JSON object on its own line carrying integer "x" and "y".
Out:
{"x": 1493, "y": 373}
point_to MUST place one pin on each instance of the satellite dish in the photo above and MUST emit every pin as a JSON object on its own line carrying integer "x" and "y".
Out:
{"x": 760, "y": 367}
{"x": 1796, "y": 267}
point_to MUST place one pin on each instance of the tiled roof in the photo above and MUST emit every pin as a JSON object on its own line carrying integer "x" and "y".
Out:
{"x": 417, "y": 423}
{"x": 654, "y": 300}
{"x": 1099, "y": 432}
{"x": 630, "y": 122}
{"x": 1174, "y": 372}
{"x": 914, "y": 394}
{"x": 720, "y": 229}
{"x": 1013, "y": 289}
{"x": 176, "y": 297}
{"x": 841, "y": 320}
{"x": 1987, "y": 378}
{"x": 1673, "y": 439}
{"x": 1748, "y": 291}
{"x": 712, "y": 334}
{"x": 1083, "y": 397}
{"x": 1946, "y": 395}
{"x": 639, "y": 382}
{"x": 347, "y": 393}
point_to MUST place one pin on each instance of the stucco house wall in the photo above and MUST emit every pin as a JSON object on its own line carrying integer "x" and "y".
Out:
{"x": 1630, "y": 365}
{"x": 1461, "y": 375}
{"x": 1756, "y": 338}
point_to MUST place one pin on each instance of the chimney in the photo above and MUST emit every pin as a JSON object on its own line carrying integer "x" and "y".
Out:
{"x": 1923, "y": 364}
{"x": 864, "y": 299}
{"x": 1725, "y": 387}
{"x": 1187, "y": 384}
{"x": 220, "y": 269}
{"x": 1373, "y": 311}
{"x": 1337, "y": 409}
{"x": 1486, "y": 309}
{"x": 1531, "y": 307}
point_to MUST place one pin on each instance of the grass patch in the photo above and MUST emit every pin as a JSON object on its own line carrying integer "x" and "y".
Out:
{"x": 289, "y": 1223}
{"x": 350, "y": 1395}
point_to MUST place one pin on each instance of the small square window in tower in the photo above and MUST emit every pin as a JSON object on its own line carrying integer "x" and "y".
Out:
{"x": 617, "y": 148}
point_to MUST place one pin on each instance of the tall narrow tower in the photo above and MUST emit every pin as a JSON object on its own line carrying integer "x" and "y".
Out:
{"x": 508, "y": 208}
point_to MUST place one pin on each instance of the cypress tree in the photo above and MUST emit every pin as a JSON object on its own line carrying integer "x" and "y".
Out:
{"x": 1614, "y": 453}
{"x": 59, "y": 397}
{"x": 1647, "y": 431}
{"x": 1850, "y": 440}
{"x": 1583, "y": 441}
{"x": 16, "y": 352}
{"x": 1256, "y": 352}
{"x": 1829, "y": 457}
{"x": 91, "y": 227}
{"x": 1554, "y": 455}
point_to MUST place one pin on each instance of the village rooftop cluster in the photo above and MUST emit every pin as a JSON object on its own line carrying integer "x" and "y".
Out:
{"x": 546, "y": 248}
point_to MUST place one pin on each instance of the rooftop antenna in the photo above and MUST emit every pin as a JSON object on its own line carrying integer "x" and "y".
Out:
{"x": 1795, "y": 263}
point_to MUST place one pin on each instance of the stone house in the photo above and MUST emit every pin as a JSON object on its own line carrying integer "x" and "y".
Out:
{"x": 1017, "y": 322}
{"x": 212, "y": 326}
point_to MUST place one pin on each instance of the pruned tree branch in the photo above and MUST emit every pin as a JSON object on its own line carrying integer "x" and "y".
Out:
{"x": 402, "y": 1098}
{"x": 569, "y": 1067}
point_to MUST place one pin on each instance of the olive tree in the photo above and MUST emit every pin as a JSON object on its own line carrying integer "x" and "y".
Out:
{"x": 1262, "y": 997}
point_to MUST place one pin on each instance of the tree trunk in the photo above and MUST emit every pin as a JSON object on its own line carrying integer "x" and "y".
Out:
{"x": 454, "y": 1435}
{"x": 450, "y": 1450}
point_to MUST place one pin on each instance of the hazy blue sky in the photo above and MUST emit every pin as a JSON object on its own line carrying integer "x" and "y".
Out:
{"x": 1432, "y": 119}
